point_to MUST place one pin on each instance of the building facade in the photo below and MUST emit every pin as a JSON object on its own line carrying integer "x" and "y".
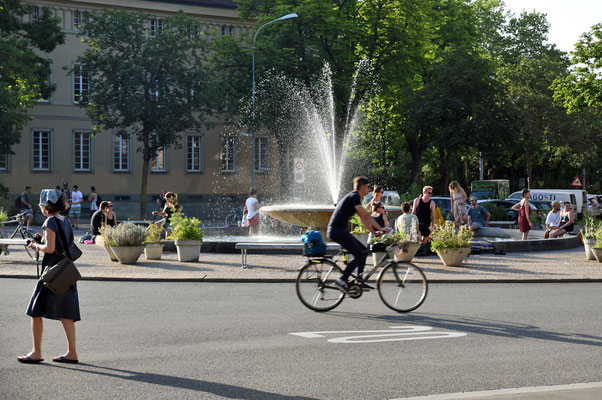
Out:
{"x": 210, "y": 170}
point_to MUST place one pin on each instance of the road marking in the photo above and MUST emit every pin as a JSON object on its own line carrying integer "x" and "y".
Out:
{"x": 501, "y": 392}
{"x": 393, "y": 334}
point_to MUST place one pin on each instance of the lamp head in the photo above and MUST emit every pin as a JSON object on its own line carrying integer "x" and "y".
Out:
{"x": 287, "y": 16}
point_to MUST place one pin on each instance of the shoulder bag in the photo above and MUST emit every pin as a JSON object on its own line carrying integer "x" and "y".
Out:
{"x": 59, "y": 277}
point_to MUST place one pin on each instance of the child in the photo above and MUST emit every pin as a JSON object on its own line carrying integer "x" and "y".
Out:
{"x": 407, "y": 223}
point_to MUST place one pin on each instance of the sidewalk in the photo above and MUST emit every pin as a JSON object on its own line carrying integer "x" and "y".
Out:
{"x": 562, "y": 265}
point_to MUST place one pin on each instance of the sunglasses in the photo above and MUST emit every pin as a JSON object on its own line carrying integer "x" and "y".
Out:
{"x": 428, "y": 192}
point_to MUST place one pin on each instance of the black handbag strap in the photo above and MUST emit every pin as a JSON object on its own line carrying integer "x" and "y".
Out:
{"x": 63, "y": 238}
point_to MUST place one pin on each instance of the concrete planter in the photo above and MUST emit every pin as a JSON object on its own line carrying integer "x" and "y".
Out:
{"x": 362, "y": 237}
{"x": 127, "y": 254}
{"x": 453, "y": 257}
{"x": 110, "y": 253}
{"x": 588, "y": 244}
{"x": 188, "y": 250}
{"x": 597, "y": 254}
{"x": 406, "y": 252}
{"x": 153, "y": 251}
{"x": 378, "y": 255}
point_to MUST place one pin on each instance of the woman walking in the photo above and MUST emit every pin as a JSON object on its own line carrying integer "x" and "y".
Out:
{"x": 171, "y": 206}
{"x": 524, "y": 213}
{"x": 458, "y": 202}
{"x": 45, "y": 303}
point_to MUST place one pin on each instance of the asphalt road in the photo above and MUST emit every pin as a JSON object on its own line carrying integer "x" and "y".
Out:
{"x": 213, "y": 340}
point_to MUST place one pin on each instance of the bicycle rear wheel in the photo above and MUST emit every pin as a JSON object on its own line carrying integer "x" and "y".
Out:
{"x": 402, "y": 286}
{"x": 315, "y": 285}
{"x": 232, "y": 220}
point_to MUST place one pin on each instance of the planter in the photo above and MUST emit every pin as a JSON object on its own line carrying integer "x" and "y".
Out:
{"x": 127, "y": 254}
{"x": 110, "y": 253}
{"x": 597, "y": 254}
{"x": 188, "y": 250}
{"x": 362, "y": 237}
{"x": 153, "y": 251}
{"x": 410, "y": 251}
{"x": 453, "y": 257}
{"x": 588, "y": 244}
{"x": 378, "y": 255}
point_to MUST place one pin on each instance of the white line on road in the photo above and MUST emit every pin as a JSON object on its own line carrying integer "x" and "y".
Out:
{"x": 395, "y": 333}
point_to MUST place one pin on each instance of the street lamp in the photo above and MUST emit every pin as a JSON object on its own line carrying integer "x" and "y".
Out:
{"x": 287, "y": 16}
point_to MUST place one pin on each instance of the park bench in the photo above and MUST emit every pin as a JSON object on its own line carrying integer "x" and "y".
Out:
{"x": 244, "y": 247}
{"x": 4, "y": 243}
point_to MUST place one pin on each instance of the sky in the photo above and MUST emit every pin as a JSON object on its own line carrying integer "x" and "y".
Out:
{"x": 568, "y": 18}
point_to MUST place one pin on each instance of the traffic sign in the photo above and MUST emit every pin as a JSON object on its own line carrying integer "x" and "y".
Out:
{"x": 576, "y": 182}
{"x": 299, "y": 170}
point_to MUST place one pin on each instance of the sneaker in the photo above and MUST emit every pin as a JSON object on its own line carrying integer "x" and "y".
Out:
{"x": 341, "y": 284}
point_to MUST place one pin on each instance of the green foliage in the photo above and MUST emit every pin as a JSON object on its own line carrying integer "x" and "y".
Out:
{"x": 127, "y": 234}
{"x": 592, "y": 227}
{"x": 357, "y": 227}
{"x": 498, "y": 213}
{"x": 106, "y": 232}
{"x": 154, "y": 233}
{"x": 3, "y": 215}
{"x": 185, "y": 228}
{"x": 23, "y": 73}
{"x": 394, "y": 239}
{"x": 450, "y": 237}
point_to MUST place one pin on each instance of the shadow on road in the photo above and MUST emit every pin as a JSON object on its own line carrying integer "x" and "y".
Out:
{"x": 479, "y": 326}
{"x": 218, "y": 389}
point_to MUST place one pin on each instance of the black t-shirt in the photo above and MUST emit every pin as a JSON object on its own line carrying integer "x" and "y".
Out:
{"x": 96, "y": 222}
{"x": 345, "y": 210}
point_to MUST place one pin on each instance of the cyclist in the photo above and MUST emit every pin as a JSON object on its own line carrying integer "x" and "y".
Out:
{"x": 338, "y": 229}
{"x": 26, "y": 207}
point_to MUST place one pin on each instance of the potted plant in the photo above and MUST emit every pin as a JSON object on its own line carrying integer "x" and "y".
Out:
{"x": 154, "y": 247}
{"x": 127, "y": 242}
{"x": 591, "y": 228}
{"x": 404, "y": 247}
{"x": 597, "y": 248}
{"x": 104, "y": 240}
{"x": 359, "y": 230}
{"x": 188, "y": 236}
{"x": 451, "y": 244}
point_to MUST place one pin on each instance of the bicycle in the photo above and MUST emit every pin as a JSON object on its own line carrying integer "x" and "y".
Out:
{"x": 21, "y": 229}
{"x": 234, "y": 218}
{"x": 402, "y": 286}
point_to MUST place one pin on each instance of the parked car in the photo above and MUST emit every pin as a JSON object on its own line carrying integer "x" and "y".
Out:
{"x": 507, "y": 205}
{"x": 390, "y": 198}
{"x": 444, "y": 204}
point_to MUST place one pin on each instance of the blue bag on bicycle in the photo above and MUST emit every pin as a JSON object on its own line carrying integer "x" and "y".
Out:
{"x": 313, "y": 246}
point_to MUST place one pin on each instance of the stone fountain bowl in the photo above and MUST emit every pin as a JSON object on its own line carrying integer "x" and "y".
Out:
{"x": 313, "y": 216}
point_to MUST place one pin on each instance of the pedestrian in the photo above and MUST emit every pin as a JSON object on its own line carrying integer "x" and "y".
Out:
{"x": 26, "y": 207}
{"x": 524, "y": 213}
{"x": 425, "y": 209}
{"x": 171, "y": 207}
{"x": 458, "y": 202}
{"x": 94, "y": 200}
{"x": 45, "y": 303}
{"x": 161, "y": 200}
{"x": 407, "y": 223}
{"x": 252, "y": 206}
{"x": 65, "y": 192}
{"x": 77, "y": 198}
{"x": 567, "y": 221}
{"x": 377, "y": 195}
{"x": 111, "y": 216}
{"x": 478, "y": 216}
{"x": 99, "y": 218}
{"x": 379, "y": 215}
{"x": 552, "y": 219}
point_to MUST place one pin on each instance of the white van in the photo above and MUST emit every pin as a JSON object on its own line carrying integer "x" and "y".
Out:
{"x": 550, "y": 195}
{"x": 580, "y": 196}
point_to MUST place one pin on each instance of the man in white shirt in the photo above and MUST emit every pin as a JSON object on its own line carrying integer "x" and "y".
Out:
{"x": 77, "y": 198}
{"x": 252, "y": 208}
{"x": 553, "y": 219}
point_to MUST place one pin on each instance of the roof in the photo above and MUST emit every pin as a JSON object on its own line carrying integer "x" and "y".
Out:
{"x": 227, "y": 4}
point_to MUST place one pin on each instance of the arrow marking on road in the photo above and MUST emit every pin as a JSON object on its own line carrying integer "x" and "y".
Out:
{"x": 394, "y": 333}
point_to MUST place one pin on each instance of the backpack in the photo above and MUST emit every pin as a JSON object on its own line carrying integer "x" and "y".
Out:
{"x": 313, "y": 246}
{"x": 18, "y": 201}
{"x": 98, "y": 200}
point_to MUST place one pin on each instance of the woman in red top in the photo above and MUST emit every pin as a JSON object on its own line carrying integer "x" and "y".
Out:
{"x": 524, "y": 213}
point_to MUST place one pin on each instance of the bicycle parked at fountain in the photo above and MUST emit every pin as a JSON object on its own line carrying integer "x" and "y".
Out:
{"x": 234, "y": 217}
{"x": 402, "y": 286}
{"x": 21, "y": 229}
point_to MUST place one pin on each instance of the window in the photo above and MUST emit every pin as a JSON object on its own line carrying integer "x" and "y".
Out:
{"x": 261, "y": 154}
{"x": 82, "y": 144}
{"x": 156, "y": 26}
{"x": 227, "y": 30}
{"x": 80, "y": 84}
{"x": 79, "y": 19}
{"x": 227, "y": 153}
{"x": 40, "y": 151}
{"x": 158, "y": 161}
{"x": 45, "y": 97}
{"x": 4, "y": 162}
{"x": 121, "y": 153}
{"x": 35, "y": 14}
{"x": 195, "y": 153}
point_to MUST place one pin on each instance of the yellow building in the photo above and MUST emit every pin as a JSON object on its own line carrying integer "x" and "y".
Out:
{"x": 211, "y": 169}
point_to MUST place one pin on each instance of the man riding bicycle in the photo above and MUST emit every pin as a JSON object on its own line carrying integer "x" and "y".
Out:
{"x": 338, "y": 229}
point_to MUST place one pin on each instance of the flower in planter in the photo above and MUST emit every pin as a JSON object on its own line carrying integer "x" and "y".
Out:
{"x": 447, "y": 236}
{"x": 185, "y": 228}
{"x": 154, "y": 233}
{"x": 358, "y": 227}
{"x": 128, "y": 234}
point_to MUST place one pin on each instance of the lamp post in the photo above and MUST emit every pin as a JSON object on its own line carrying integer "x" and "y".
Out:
{"x": 288, "y": 16}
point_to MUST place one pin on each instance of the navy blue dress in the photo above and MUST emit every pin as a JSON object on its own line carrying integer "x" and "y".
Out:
{"x": 44, "y": 302}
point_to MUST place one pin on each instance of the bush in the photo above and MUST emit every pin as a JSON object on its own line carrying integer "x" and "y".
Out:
{"x": 185, "y": 228}
{"x": 154, "y": 233}
{"x": 127, "y": 234}
{"x": 450, "y": 237}
{"x": 498, "y": 213}
{"x": 358, "y": 227}
{"x": 3, "y": 215}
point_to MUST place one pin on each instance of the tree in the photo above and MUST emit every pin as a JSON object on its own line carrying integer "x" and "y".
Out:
{"x": 23, "y": 73}
{"x": 149, "y": 83}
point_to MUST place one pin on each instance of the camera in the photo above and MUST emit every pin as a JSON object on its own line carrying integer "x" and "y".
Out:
{"x": 38, "y": 238}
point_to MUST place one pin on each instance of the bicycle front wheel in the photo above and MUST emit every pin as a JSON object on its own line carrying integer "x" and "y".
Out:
{"x": 231, "y": 220}
{"x": 34, "y": 254}
{"x": 315, "y": 285}
{"x": 402, "y": 286}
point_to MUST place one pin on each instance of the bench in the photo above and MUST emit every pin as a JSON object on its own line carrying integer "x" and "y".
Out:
{"x": 7, "y": 242}
{"x": 244, "y": 247}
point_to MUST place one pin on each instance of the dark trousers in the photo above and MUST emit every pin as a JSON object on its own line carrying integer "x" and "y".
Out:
{"x": 352, "y": 245}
